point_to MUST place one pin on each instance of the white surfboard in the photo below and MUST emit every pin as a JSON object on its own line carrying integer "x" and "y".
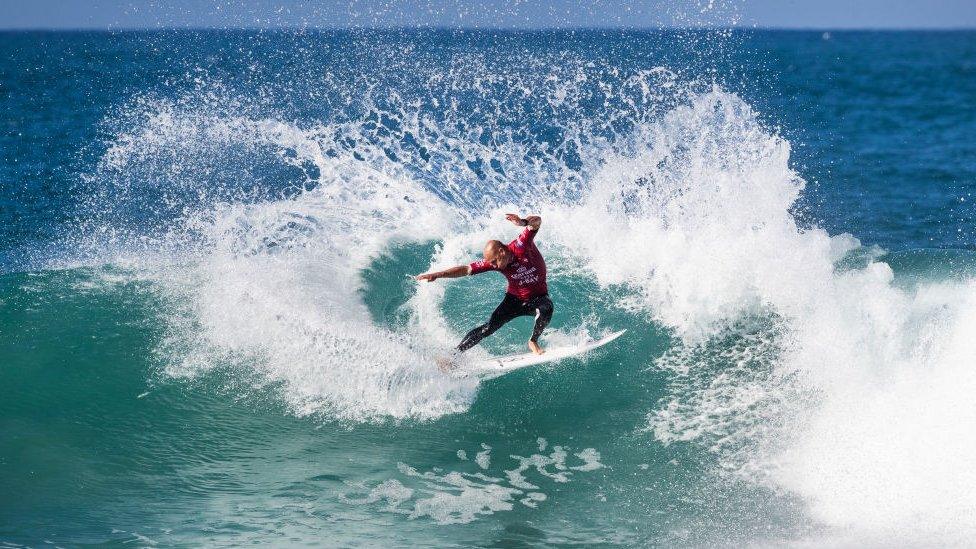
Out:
{"x": 497, "y": 366}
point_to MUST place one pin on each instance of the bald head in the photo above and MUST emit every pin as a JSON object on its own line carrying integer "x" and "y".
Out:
{"x": 497, "y": 254}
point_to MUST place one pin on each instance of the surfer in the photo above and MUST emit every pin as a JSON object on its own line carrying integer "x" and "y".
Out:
{"x": 527, "y": 294}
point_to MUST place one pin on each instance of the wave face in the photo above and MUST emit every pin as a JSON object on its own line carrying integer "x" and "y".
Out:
{"x": 227, "y": 284}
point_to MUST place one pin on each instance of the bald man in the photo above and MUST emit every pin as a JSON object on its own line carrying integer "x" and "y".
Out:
{"x": 522, "y": 264}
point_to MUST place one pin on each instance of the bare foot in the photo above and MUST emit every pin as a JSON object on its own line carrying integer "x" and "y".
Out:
{"x": 535, "y": 348}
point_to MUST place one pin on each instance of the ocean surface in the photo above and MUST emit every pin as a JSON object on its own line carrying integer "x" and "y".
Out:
{"x": 209, "y": 335}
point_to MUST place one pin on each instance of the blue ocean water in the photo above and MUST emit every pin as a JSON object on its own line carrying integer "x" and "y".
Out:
{"x": 208, "y": 335}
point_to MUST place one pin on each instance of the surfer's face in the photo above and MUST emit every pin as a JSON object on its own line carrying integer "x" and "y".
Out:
{"x": 497, "y": 254}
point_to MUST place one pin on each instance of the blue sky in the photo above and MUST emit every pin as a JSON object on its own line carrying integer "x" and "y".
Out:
{"x": 833, "y": 14}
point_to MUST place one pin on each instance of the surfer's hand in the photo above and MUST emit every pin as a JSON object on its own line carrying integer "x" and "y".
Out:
{"x": 514, "y": 218}
{"x": 429, "y": 277}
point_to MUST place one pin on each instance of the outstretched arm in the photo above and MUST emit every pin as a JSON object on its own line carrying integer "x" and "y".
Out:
{"x": 453, "y": 272}
{"x": 533, "y": 221}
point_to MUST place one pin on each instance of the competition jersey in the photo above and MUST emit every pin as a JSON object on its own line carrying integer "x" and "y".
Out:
{"x": 526, "y": 273}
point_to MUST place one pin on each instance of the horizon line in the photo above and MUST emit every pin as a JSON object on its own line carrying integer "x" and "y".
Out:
{"x": 511, "y": 29}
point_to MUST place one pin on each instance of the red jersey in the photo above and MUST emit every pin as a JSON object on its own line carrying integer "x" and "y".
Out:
{"x": 526, "y": 273}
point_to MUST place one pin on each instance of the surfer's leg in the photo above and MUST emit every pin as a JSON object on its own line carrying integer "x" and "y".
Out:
{"x": 543, "y": 314}
{"x": 509, "y": 308}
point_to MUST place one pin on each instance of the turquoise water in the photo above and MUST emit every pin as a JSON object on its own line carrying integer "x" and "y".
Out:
{"x": 208, "y": 335}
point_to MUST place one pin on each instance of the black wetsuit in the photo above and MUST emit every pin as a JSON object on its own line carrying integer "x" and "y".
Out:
{"x": 512, "y": 307}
